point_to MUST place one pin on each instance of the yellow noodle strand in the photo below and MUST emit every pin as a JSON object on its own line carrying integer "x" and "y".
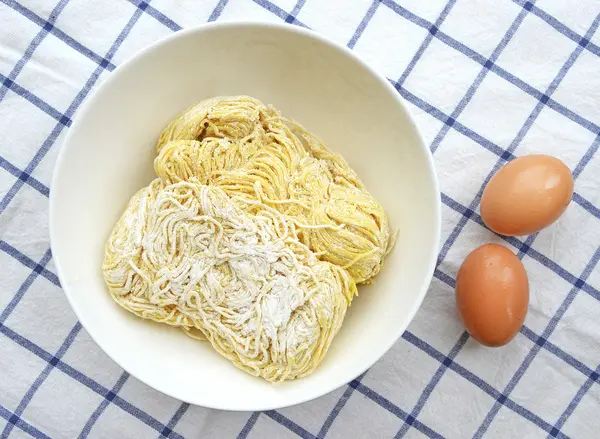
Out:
{"x": 297, "y": 174}
{"x": 253, "y": 237}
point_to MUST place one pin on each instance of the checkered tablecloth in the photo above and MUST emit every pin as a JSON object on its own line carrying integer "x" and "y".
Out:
{"x": 488, "y": 80}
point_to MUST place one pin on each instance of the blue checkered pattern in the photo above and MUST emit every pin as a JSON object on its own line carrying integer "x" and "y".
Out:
{"x": 488, "y": 80}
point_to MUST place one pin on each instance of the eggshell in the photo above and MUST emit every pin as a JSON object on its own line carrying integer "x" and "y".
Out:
{"x": 492, "y": 294}
{"x": 526, "y": 195}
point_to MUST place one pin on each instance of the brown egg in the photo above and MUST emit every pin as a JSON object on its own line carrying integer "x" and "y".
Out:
{"x": 492, "y": 294}
{"x": 526, "y": 195}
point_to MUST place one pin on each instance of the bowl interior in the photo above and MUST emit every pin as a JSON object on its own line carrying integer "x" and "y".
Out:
{"x": 108, "y": 156}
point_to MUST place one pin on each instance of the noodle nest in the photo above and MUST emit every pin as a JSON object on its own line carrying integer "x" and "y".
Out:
{"x": 253, "y": 236}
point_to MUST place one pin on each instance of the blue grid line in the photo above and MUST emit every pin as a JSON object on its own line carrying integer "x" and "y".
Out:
{"x": 168, "y": 430}
{"x": 369, "y": 14}
{"x": 143, "y": 416}
{"x": 527, "y": 245}
{"x": 31, "y": 166}
{"x": 297, "y": 7}
{"x": 47, "y": 144}
{"x": 546, "y": 344}
{"x": 37, "y": 40}
{"x": 553, "y": 86}
{"x": 507, "y": 156}
{"x": 279, "y": 418}
{"x": 558, "y": 352}
{"x": 363, "y": 24}
{"x": 462, "y": 222}
{"x": 103, "y": 62}
{"x": 291, "y": 19}
{"x": 534, "y": 93}
{"x": 587, "y": 157}
{"x": 533, "y": 116}
{"x": 170, "y": 23}
{"x": 477, "y": 381}
{"x": 124, "y": 405}
{"x": 531, "y": 252}
{"x": 25, "y": 286}
{"x": 289, "y": 424}
{"x": 11, "y": 85}
{"x": 394, "y": 409}
{"x": 550, "y": 103}
{"x": 460, "y": 107}
{"x": 413, "y": 100}
{"x": 216, "y": 13}
{"x": 480, "y": 139}
{"x": 22, "y": 424}
{"x": 338, "y": 408}
{"x": 403, "y": 12}
{"x": 431, "y": 32}
{"x": 433, "y": 382}
{"x": 31, "y": 346}
{"x": 28, "y": 262}
{"x": 248, "y": 426}
{"x": 593, "y": 378}
{"x": 272, "y": 7}
{"x": 85, "y": 380}
{"x": 102, "y": 406}
{"x": 478, "y": 58}
{"x": 586, "y": 205}
{"x": 554, "y": 431}
{"x": 349, "y": 389}
{"x": 49, "y": 26}
{"x": 155, "y": 13}
{"x": 444, "y": 118}
{"x": 447, "y": 279}
{"x": 103, "y": 65}
{"x": 468, "y": 213}
{"x": 536, "y": 347}
{"x": 31, "y": 181}
{"x": 490, "y": 146}
{"x": 571, "y": 115}
{"x": 468, "y": 96}
{"x": 486, "y": 387}
{"x": 24, "y": 342}
{"x": 41, "y": 378}
{"x": 557, "y": 25}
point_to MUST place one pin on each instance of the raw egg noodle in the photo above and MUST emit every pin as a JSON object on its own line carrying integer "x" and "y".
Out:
{"x": 253, "y": 237}
{"x": 249, "y": 149}
{"x": 184, "y": 254}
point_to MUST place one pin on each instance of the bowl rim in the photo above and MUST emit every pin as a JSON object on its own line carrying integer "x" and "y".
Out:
{"x": 283, "y": 27}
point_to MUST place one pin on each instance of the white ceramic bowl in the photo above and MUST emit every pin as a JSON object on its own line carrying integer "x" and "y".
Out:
{"x": 108, "y": 153}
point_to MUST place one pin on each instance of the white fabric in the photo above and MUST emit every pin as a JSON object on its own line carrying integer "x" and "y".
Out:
{"x": 539, "y": 92}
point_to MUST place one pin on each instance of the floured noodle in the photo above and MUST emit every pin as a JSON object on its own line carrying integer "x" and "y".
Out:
{"x": 235, "y": 143}
{"x": 197, "y": 261}
{"x": 253, "y": 237}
